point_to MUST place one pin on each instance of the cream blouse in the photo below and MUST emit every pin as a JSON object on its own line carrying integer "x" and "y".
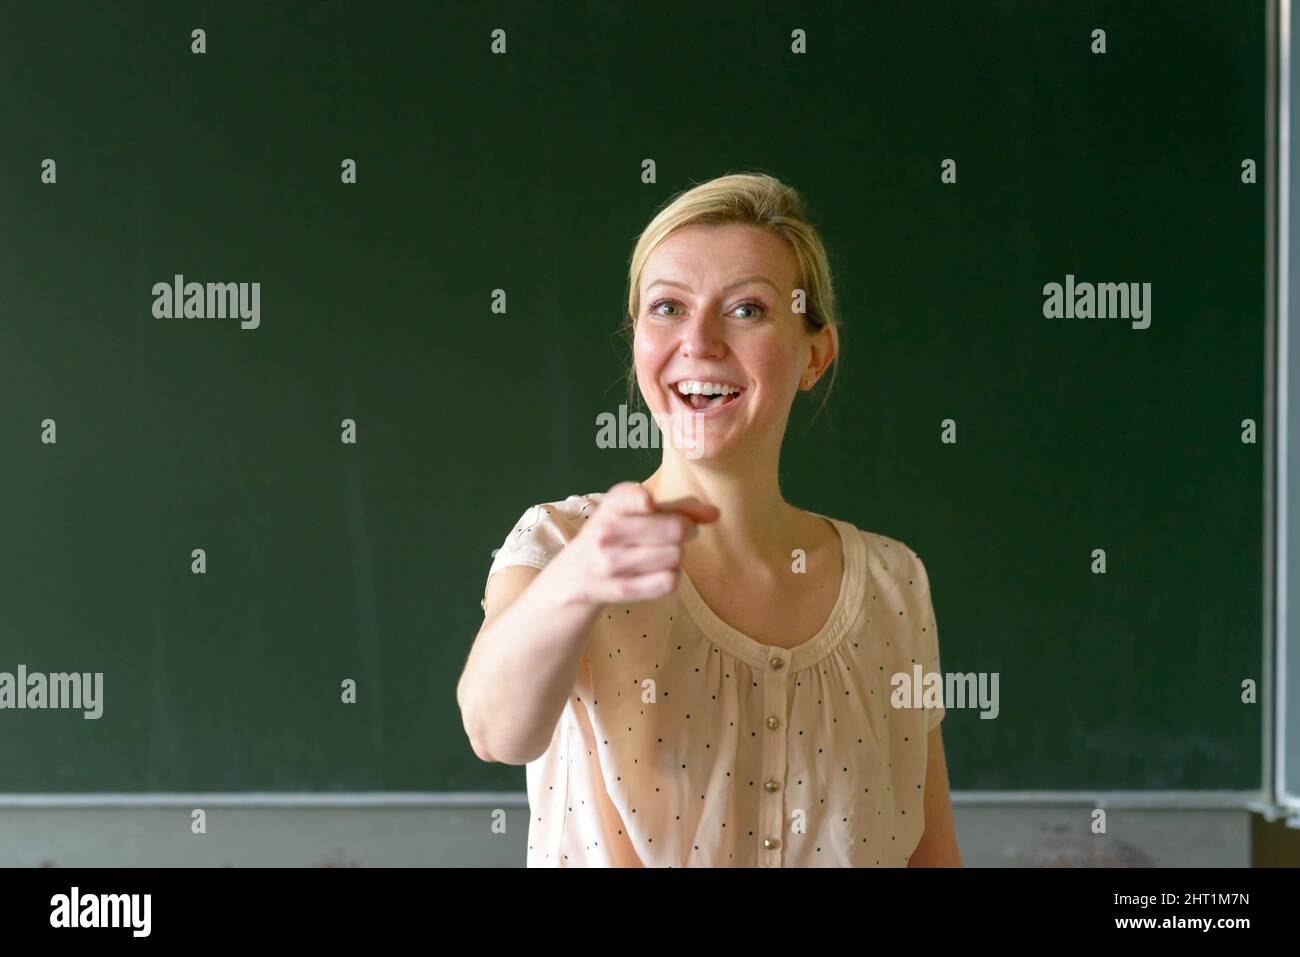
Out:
{"x": 688, "y": 744}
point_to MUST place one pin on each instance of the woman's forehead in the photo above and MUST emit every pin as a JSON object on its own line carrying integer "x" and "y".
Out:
{"x": 719, "y": 254}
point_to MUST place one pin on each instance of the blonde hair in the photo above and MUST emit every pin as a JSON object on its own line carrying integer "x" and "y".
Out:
{"x": 750, "y": 199}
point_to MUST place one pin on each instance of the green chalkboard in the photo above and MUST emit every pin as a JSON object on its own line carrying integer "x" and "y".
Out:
{"x": 522, "y": 172}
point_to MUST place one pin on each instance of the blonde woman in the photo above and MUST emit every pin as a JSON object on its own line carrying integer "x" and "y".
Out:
{"x": 695, "y": 671}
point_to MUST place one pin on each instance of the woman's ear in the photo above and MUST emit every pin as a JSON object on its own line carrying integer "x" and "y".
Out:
{"x": 823, "y": 351}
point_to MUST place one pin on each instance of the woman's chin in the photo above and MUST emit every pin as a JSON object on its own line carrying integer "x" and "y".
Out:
{"x": 696, "y": 436}
{"x": 704, "y": 441}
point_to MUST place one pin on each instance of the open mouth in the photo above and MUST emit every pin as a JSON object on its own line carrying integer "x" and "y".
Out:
{"x": 705, "y": 396}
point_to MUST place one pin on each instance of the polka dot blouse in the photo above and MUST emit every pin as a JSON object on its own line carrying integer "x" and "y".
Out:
{"x": 685, "y": 743}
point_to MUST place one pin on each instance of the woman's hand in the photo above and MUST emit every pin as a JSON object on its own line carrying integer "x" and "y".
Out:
{"x": 631, "y": 547}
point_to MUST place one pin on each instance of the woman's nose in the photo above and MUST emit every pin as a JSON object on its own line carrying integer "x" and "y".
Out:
{"x": 703, "y": 334}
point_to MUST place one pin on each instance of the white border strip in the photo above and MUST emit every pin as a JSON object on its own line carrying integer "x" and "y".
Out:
{"x": 293, "y": 799}
{"x": 1153, "y": 800}
{"x": 1156, "y": 800}
{"x": 1275, "y": 397}
{"x": 1277, "y": 754}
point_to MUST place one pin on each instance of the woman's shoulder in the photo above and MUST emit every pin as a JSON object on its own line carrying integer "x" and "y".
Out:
{"x": 883, "y": 552}
{"x": 569, "y": 511}
{"x": 874, "y": 539}
{"x": 895, "y": 573}
{"x": 543, "y": 529}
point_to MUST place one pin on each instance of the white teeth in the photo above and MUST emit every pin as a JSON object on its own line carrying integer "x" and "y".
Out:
{"x": 696, "y": 387}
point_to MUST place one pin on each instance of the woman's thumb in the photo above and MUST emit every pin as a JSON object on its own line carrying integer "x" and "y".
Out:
{"x": 691, "y": 507}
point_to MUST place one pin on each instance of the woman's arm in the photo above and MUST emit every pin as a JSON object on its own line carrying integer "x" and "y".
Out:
{"x": 523, "y": 663}
{"x": 938, "y": 845}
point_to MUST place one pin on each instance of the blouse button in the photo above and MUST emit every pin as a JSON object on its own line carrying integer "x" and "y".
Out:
{"x": 776, "y": 663}
{"x": 773, "y": 722}
{"x": 771, "y": 843}
{"x": 772, "y": 786}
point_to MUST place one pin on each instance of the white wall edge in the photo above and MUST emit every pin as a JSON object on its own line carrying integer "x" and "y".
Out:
{"x": 1154, "y": 800}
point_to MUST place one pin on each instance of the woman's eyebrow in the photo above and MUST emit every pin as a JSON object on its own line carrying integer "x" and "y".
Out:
{"x": 730, "y": 285}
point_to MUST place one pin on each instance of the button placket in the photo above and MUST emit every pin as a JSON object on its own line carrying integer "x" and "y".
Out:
{"x": 772, "y": 808}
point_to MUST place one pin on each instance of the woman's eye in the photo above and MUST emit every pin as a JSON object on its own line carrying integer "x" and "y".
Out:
{"x": 757, "y": 306}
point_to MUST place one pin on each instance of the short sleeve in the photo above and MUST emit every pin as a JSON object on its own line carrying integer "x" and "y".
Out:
{"x": 536, "y": 538}
{"x": 927, "y": 634}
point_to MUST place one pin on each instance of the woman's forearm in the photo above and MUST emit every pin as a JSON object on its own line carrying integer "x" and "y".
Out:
{"x": 522, "y": 668}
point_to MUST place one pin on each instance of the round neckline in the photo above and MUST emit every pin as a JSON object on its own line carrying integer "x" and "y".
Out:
{"x": 843, "y": 613}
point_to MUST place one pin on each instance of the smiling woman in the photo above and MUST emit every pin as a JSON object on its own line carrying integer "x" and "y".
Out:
{"x": 695, "y": 671}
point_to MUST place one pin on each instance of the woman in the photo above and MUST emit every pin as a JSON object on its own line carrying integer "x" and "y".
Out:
{"x": 696, "y": 672}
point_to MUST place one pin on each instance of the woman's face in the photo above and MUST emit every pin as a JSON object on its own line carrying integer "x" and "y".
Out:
{"x": 716, "y": 308}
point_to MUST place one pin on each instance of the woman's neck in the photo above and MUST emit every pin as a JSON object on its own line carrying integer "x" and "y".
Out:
{"x": 755, "y": 520}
